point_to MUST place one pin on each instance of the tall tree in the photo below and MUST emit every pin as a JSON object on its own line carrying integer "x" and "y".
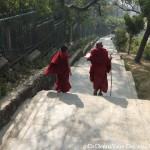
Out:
{"x": 145, "y": 9}
{"x": 141, "y": 7}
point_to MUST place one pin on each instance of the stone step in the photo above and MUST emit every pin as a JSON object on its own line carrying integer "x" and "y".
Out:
{"x": 131, "y": 84}
{"x": 19, "y": 118}
{"x": 74, "y": 121}
{"x": 121, "y": 83}
{"x": 120, "y": 87}
{"x": 144, "y": 111}
{"x": 118, "y": 64}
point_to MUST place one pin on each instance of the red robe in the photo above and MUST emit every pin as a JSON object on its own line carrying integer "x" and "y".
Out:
{"x": 59, "y": 65}
{"x": 100, "y": 66}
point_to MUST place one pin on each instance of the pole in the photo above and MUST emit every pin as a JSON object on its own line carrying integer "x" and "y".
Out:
{"x": 110, "y": 83}
{"x": 110, "y": 79}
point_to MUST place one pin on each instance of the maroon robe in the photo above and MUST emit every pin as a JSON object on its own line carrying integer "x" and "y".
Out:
{"x": 100, "y": 66}
{"x": 59, "y": 65}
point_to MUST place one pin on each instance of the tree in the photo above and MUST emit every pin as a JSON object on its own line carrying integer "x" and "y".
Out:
{"x": 141, "y": 7}
{"x": 134, "y": 25}
{"x": 145, "y": 7}
{"x": 44, "y": 8}
{"x": 85, "y": 5}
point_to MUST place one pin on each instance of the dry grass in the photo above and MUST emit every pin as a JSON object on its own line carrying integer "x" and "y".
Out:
{"x": 141, "y": 75}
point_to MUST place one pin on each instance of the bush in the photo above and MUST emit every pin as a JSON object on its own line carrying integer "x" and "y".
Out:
{"x": 147, "y": 52}
{"x": 135, "y": 44}
{"x": 3, "y": 90}
{"x": 120, "y": 39}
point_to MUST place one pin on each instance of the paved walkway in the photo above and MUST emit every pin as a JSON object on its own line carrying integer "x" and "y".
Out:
{"x": 77, "y": 120}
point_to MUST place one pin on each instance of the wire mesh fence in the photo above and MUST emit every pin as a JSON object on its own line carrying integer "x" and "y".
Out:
{"x": 21, "y": 34}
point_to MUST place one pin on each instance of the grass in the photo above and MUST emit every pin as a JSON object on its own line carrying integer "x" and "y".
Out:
{"x": 141, "y": 75}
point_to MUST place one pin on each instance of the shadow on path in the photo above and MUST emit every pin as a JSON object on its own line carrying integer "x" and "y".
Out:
{"x": 68, "y": 98}
{"x": 122, "y": 102}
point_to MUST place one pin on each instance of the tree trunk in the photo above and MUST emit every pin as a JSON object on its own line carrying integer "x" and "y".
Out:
{"x": 143, "y": 44}
{"x": 130, "y": 44}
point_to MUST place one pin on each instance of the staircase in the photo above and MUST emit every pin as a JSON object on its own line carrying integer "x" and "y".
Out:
{"x": 78, "y": 120}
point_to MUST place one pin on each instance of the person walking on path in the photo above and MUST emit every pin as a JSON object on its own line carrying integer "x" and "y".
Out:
{"x": 100, "y": 66}
{"x": 59, "y": 65}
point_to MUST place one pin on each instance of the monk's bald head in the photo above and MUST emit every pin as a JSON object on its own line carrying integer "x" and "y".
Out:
{"x": 99, "y": 44}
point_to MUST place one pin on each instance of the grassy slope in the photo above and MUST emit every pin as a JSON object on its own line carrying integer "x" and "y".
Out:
{"x": 141, "y": 74}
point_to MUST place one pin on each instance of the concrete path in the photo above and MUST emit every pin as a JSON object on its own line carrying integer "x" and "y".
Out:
{"x": 77, "y": 120}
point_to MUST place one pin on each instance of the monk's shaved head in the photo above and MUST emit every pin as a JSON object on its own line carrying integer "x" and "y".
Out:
{"x": 99, "y": 44}
{"x": 64, "y": 48}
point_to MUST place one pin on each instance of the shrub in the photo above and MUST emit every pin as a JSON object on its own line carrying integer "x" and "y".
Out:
{"x": 147, "y": 52}
{"x": 135, "y": 44}
{"x": 3, "y": 90}
{"x": 120, "y": 39}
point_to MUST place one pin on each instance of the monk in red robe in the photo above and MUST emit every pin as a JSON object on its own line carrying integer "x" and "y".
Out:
{"x": 100, "y": 66}
{"x": 60, "y": 66}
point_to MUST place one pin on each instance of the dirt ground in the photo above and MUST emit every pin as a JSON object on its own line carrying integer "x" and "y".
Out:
{"x": 141, "y": 74}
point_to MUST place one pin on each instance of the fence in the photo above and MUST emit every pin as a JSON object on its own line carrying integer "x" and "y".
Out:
{"x": 21, "y": 34}
{"x": 17, "y": 35}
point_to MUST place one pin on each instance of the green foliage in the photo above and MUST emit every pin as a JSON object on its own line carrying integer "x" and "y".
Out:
{"x": 113, "y": 22}
{"x": 133, "y": 24}
{"x": 3, "y": 90}
{"x": 38, "y": 64}
{"x": 127, "y": 66}
{"x": 15, "y": 76}
{"x": 120, "y": 39}
{"x": 84, "y": 42}
{"x": 129, "y": 24}
{"x": 135, "y": 44}
{"x": 15, "y": 5}
{"x": 79, "y": 2}
{"x": 102, "y": 28}
{"x": 145, "y": 8}
{"x": 45, "y": 8}
{"x": 137, "y": 85}
{"x": 3, "y": 6}
{"x": 147, "y": 52}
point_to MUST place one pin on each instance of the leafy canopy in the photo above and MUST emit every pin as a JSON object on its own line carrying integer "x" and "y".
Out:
{"x": 145, "y": 7}
{"x": 133, "y": 24}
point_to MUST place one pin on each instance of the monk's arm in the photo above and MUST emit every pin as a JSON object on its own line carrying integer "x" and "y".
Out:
{"x": 90, "y": 58}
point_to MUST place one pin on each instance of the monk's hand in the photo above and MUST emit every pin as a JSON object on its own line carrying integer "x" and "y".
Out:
{"x": 110, "y": 56}
{"x": 70, "y": 73}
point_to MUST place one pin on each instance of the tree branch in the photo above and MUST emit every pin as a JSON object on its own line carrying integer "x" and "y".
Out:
{"x": 128, "y": 9}
{"x": 83, "y": 8}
